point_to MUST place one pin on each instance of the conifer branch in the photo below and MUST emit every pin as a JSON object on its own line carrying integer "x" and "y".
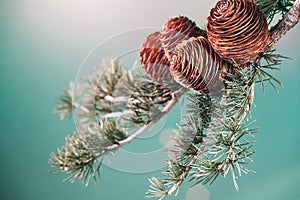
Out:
{"x": 213, "y": 136}
{"x": 187, "y": 169}
{"x": 175, "y": 97}
{"x": 283, "y": 26}
{"x": 112, "y": 95}
{"x": 204, "y": 145}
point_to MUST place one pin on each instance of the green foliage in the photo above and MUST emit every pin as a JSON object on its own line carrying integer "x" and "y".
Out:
{"x": 146, "y": 99}
{"x": 98, "y": 87}
{"x": 269, "y": 61}
{"x": 76, "y": 159}
{"x": 271, "y": 8}
{"x": 67, "y": 101}
{"x": 114, "y": 100}
{"x": 214, "y": 138}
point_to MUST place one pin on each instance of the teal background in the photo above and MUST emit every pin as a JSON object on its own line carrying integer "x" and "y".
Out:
{"x": 42, "y": 45}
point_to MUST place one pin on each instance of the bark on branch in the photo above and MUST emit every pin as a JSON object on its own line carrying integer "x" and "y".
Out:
{"x": 283, "y": 26}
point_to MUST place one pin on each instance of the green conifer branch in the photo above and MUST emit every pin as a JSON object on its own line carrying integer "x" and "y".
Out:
{"x": 219, "y": 126}
{"x": 76, "y": 159}
{"x": 271, "y": 8}
{"x": 113, "y": 96}
{"x": 239, "y": 99}
{"x": 214, "y": 139}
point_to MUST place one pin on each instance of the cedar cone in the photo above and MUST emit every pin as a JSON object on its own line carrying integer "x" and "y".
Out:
{"x": 153, "y": 58}
{"x": 176, "y": 30}
{"x": 237, "y": 30}
{"x": 195, "y": 65}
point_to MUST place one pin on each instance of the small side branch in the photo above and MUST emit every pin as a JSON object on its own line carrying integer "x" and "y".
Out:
{"x": 188, "y": 168}
{"x": 205, "y": 143}
{"x": 175, "y": 97}
{"x": 288, "y": 22}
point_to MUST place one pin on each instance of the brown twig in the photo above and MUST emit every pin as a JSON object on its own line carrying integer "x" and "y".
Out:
{"x": 283, "y": 26}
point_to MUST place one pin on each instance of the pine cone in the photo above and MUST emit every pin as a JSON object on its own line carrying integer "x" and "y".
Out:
{"x": 196, "y": 65}
{"x": 237, "y": 30}
{"x": 153, "y": 58}
{"x": 176, "y": 30}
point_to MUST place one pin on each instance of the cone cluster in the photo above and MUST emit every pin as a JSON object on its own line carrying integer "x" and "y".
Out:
{"x": 157, "y": 48}
{"x": 237, "y": 32}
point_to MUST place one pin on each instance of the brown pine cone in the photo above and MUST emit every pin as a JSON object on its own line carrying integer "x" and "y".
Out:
{"x": 195, "y": 65}
{"x": 176, "y": 30}
{"x": 153, "y": 58}
{"x": 237, "y": 30}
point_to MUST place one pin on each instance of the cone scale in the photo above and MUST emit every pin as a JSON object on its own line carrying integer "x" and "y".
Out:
{"x": 237, "y": 30}
{"x": 196, "y": 66}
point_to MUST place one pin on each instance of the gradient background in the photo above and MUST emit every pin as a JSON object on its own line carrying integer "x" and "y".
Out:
{"x": 42, "y": 46}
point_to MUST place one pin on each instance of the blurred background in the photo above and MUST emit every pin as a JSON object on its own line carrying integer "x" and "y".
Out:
{"x": 43, "y": 44}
